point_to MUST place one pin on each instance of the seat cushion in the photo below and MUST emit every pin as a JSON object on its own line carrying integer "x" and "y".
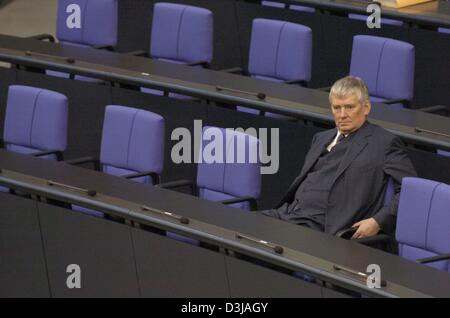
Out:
{"x": 376, "y": 99}
{"x": 215, "y": 196}
{"x": 124, "y": 172}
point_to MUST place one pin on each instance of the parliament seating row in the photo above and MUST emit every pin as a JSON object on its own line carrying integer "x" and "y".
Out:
{"x": 132, "y": 147}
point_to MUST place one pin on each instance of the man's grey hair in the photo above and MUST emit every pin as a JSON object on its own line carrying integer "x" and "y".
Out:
{"x": 348, "y": 86}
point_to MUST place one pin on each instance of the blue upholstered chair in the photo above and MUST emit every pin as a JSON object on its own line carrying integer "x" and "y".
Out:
{"x": 132, "y": 146}
{"x": 86, "y": 23}
{"x": 423, "y": 222}
{"x": 35, "y": 123}
{"x": 387, "y": 68}
{"x": 181, "y": 34}
{"x": 231, "y": 177}
{"x": 279, "y": 52}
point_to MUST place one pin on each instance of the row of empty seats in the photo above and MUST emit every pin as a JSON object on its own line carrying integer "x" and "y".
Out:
{"x": 132, "y": 146}
{"x": 279, "y": 51}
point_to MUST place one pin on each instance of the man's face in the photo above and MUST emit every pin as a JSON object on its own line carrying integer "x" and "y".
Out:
{"x": 349, "y": 114}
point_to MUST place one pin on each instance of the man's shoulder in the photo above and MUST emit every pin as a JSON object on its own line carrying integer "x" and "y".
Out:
{"x": 381, "y": 135}
{"x": 326, "y": 133}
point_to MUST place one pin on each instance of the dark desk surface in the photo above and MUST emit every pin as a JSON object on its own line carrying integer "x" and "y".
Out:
{"x": 435, "y": 13}
{"x": 287, "y": 99}
{"x": 304, "y": 248}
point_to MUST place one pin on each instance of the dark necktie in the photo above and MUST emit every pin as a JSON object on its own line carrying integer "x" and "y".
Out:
{"x": 340, "y": 138}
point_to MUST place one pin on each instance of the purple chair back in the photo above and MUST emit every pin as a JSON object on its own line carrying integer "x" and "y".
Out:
{"x": 87, "y": 22}
{"x": 385, "y": 65}
{"x": 35, "y": 120}
{"x": 236, "y": 170}
{"x": 280, "y": 50}
{"x": 132, "y": 142}
{"x": 181, "y": 33}
{"x": 444, "y": 30}
{"x": 423, "y": 220}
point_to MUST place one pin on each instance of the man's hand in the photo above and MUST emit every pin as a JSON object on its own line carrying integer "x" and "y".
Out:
{"x": 366, "y": 228}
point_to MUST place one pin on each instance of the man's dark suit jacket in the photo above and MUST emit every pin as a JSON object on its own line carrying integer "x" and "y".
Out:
{"x": 361, "y": 180}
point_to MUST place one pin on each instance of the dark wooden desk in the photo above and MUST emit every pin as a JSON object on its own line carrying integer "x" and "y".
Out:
{"x": 435, "y": 13}
{"x": 413, "y": 126}
{"x": 304, "y": 249}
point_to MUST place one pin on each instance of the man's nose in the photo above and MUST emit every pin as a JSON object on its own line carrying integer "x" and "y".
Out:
{"x": 343, "y": 113}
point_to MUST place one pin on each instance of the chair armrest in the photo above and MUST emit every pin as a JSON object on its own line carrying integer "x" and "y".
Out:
{"x": 433, "y": 259}
{"x": 156, "y": 177}
{"x": 138, "y": 53}
{"x": 251, "y": 200}
{"x": 379, "y": 238}
{"x": 42, "y": 37}
{"x": 179, "y": 184}
{"x": 104, "y": 47}
{"x": 435, "y": 109}
{"x": 300, "y": 82}
{"x": 59, "y": 154}
{"x": 405, "y": 102}
{"x": 80, "y": 161}
{"x": 202, "y": 63}
{"x": 233, "y": 70}
{"x": 348, "y": 233}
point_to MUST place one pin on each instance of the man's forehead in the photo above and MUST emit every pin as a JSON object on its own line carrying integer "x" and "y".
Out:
{"x": 345, "y": 100}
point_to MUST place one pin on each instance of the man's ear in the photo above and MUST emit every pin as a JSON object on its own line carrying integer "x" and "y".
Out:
{"x": 367, "y": 107}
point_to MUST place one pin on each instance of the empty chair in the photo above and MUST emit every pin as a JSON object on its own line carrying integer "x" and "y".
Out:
{"x": 132, "y": 145}
{"x": 181, "y": 34}
{"x": 229, "y": 174}
{"x": 291, "y": 6}
{"x": 363, "y": 17}
{"x": 35, "y": 122}
{"x": 423, "y": 221}
{"x": 279, "y": 52}
{"x": 387, "y": 68}
{"x": 86, "y": 23}
{"x": 444, "y": 30}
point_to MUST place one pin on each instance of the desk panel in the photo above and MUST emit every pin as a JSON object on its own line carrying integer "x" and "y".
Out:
{"x": 169, "y": 268}
{"x": 248, "y": 280}
{"x": 23, "y": 271}
{"x": 101, "y": 248}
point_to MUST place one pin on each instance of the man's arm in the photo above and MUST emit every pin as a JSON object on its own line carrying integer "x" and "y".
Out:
{"x": 397, "y": 165}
